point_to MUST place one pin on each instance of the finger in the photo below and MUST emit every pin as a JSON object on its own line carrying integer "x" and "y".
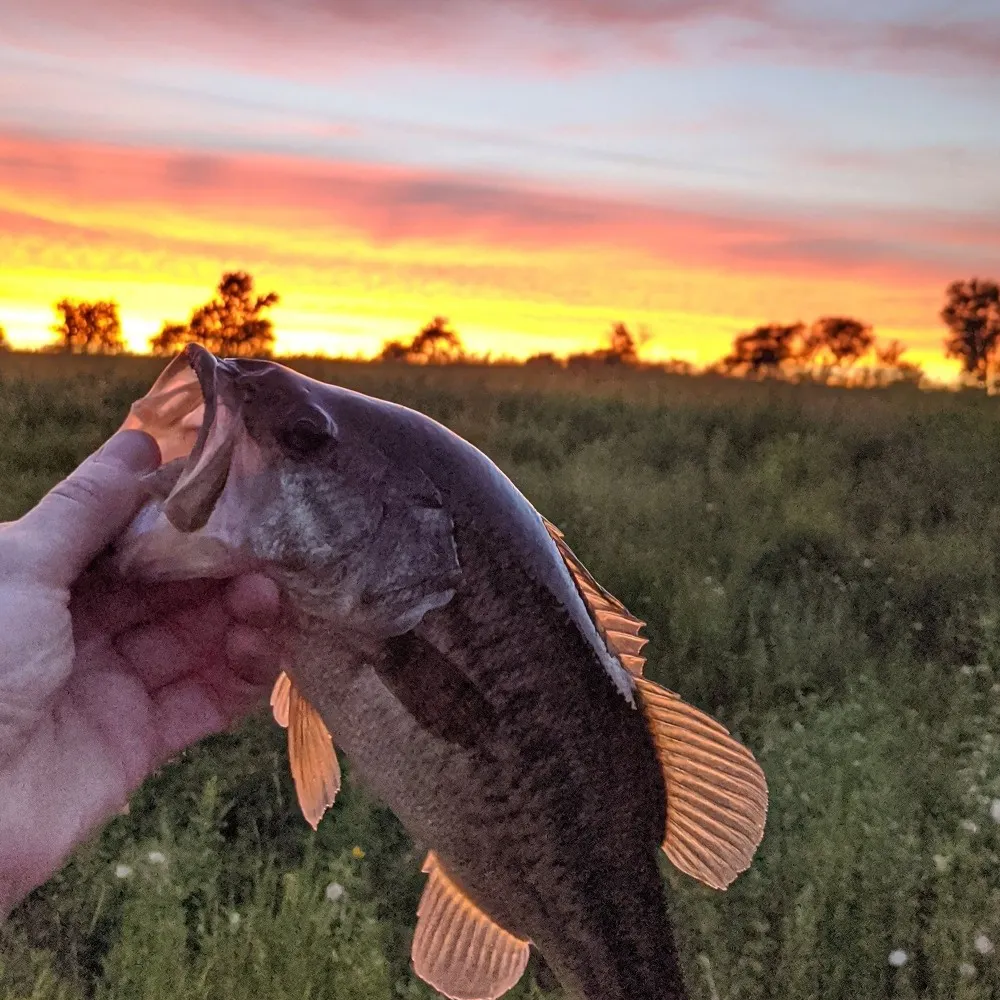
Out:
{"x": 103, "y": 603}
{"x": 195, "y": 707}
{"x": 89, "y": 508}
{"x": 252, "y": 654}
{"x": 254, "y": 598}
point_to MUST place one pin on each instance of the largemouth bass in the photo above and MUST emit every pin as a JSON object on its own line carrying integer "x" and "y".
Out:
{"x": 479, "y": 679}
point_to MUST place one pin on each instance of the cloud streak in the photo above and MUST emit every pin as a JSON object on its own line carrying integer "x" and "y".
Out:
{"x": 327, "y": 36}
{"x": 170, "y": 195}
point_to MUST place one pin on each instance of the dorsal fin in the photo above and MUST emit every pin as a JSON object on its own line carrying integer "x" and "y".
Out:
{"x": 618, "y": 627}
{"x": 716, "y": 791}
{"x": 457, "y": 949}
{"x": 311, "y": 756}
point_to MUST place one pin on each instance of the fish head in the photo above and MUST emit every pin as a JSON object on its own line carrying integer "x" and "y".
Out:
{"x": 266, "y": 469}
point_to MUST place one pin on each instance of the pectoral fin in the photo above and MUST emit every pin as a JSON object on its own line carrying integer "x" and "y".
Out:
{"x": 311, "y": 756}
{"x": 458, "y": 949}
{"x": 716, "y": 791}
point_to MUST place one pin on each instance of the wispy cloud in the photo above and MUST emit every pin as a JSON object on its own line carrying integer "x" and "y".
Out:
{"x": 132, "y": 190}
{"x": 326, "y": 35}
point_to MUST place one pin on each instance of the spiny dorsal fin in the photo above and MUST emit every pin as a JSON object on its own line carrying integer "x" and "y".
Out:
{"x": 716, "y": 791}
{"x": 311, "y": 756}
{"x": 458, "y": 949}
{"x": 617, "y": 626}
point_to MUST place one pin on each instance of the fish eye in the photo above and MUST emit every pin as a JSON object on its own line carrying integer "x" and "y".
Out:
{"x": 308, "y": 434}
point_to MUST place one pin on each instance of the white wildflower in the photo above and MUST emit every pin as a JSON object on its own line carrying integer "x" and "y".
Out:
{"x": 917, "y": 626}
{"x": 123, "y": 871}
{"x": 898, "y": 958}
{"x": 941, "y": 862}
{"x": 995, "y": 810}
{"x": 867, "y": 564}
{"x": 966, "y": 970}
{"x": 156, "y": 858}
{"x": 983, "y": 945}
{"x": 334, "y": 892}
{"x": 969, "y": 826}
{"x": 234, "y": 920}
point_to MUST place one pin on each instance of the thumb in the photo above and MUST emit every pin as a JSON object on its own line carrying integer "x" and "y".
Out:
{"x": 78, "y": 517}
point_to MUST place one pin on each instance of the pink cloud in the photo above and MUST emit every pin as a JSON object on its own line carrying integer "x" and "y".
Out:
{"x": 558, "y": 35}
{"x": 388, "y": 206}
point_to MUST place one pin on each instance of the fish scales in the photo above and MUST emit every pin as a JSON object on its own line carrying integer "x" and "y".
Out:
{"x": 556, "y": 812}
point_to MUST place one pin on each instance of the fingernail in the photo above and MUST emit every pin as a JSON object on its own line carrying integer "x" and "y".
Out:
{"x": 136, "y": 450}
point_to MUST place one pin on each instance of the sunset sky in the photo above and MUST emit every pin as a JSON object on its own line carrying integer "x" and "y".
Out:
{"x": 533, "y": 169}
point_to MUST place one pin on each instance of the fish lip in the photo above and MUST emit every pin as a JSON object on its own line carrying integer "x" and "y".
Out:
{"x": 205, "y": 365}
{"x": 207, "y": 369}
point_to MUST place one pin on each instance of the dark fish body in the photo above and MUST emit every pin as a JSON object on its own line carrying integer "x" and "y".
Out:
{"x": 495, "y": 733}
{"x": 482, "y": 684}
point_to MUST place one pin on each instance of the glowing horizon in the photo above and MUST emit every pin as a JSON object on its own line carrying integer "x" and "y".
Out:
{"x": 651, "y": 164}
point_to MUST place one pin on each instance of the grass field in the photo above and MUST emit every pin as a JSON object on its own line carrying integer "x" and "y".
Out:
{"x": 819, "y": 568}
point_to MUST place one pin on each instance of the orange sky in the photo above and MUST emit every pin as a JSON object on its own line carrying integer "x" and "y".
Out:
{"x": 362, "y": 252}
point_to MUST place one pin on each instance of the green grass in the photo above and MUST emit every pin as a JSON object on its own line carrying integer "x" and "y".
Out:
{"x": 819, "y": 569}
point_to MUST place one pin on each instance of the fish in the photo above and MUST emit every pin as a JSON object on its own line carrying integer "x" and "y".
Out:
{"x": 444, "y": 637}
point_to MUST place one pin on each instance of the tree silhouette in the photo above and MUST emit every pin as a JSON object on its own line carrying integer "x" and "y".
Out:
{"x": 764, "y": 350}
{"x": 436, "y": 343}
{"x": 972, "y": 314}
{"x": 544, "y": 359}
{"x": 88, "y": 328}
{"x": 838, "y": 340}
{"x": 622, "y": 349}
{"x": 231, "y": 324}
{"x": 4, "y": 342}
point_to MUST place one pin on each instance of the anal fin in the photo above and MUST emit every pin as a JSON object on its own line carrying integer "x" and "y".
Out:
{"x": 716, "y": 791}
{"x": 311, "y": 756}
{"x": 458, "y": 949}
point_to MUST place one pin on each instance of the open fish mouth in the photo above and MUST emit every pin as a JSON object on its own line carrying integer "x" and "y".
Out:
{"x": 194, "y": 417}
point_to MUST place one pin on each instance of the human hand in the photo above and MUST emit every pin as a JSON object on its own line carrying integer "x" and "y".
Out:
{"x": 102, "y": 680}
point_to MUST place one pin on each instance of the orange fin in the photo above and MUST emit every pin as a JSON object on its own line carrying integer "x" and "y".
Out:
{"x": 311, "y": 756}
{"x": 716, "y": 791}
{"x": 279, "y": 699}
{"x": 618, "y": 627}
{"x": 458, "y": 949}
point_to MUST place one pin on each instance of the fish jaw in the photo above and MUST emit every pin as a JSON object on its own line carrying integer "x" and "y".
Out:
{"x": 194, "y": 523}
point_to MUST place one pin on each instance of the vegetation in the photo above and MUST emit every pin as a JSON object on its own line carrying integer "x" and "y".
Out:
{"x": 436, "y": 343}
{"x": 88, "y": 328}
{"x": 820, "y": 569}
{"x": 232, "y": 324}
{"x": 833, "y": 350}
{"x": 972, "y": 315}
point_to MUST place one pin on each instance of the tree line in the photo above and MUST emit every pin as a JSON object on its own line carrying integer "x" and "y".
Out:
{"x": 235, "y": 323}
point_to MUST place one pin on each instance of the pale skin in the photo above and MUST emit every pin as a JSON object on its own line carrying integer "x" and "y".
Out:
{"x": 101, "y": 681}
